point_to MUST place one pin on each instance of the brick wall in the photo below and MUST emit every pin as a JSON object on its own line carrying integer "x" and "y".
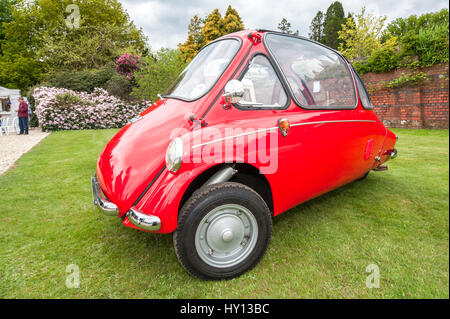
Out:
{"x": 422, "y": 106}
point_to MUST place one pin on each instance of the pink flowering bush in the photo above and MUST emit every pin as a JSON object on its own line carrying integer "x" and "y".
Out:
{"x": 127, "y": 64}
{"x": 63, "y": 109}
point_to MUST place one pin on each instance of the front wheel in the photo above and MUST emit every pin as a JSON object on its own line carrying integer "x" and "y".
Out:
{"x": 223, "y": 231}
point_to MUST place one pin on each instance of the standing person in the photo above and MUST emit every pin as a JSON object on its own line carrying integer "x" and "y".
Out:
{"x": 22, "y": 113}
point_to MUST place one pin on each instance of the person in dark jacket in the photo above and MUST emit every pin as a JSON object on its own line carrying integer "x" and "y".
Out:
{"x": 22, "y": 113}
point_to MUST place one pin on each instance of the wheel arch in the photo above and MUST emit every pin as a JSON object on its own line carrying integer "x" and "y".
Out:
{"x": 263, "y": 189}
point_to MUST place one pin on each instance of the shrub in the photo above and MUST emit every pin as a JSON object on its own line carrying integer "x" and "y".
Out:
{"x": 157, "y": 73}
{"x": 120, "y": 86}
{"x": 85, "y": 81}
{"x": 33, "y": 118}
{"x": 432, "y": 45}
{"x": 127, "y": 64}
{"x": 406, "y": 42}
{"x": 62, "y": 109}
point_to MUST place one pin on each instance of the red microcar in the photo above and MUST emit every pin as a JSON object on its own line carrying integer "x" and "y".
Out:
{"x": 257, "y": 123}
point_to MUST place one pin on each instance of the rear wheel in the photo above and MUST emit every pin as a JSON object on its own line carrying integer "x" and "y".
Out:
{"x": 223, "y": 231}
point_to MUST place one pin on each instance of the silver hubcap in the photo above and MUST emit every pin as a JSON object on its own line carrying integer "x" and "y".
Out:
{"x": 226, "y": 235}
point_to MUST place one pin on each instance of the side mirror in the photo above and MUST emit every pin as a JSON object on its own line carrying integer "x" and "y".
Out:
{"x": 234, "y": 92}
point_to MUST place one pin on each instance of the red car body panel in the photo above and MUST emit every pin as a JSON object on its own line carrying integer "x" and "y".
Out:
{"x": 323, "y": 150}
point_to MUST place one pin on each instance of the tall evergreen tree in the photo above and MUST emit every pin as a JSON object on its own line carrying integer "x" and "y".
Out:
{"x": 334, "y": 18}
{"x": 316, "y": 27}
{"x": 213, "y": 27}
{"x": 195, "y": 39}
{"x": 203, "y": 31}
{"x": 232, "y": 22}
{"x": 285, "y": 27}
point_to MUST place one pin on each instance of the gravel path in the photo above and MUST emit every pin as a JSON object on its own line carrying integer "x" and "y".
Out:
{"x": 13, "y": 146}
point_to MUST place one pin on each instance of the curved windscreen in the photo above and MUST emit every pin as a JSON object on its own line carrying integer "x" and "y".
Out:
{"x": 318, "y": 77}
{"x": 204, "y": 70}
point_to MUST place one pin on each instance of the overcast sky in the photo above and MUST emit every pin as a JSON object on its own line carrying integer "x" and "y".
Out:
{"x": 165, "y": 21}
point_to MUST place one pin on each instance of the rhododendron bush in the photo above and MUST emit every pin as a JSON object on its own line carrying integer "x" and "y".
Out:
{"x": 126, "y": 64}
{"x": 62, "y": 109}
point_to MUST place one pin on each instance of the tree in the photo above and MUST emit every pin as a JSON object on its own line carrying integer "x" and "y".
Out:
{"x": 5, "y": 17}
{"x": 195, "y": 39}
{"x": 87, "y": 47}
{"x": 213, "y": 27}
{"x": 232, "y": 22}
{"x": 316, "y": 27}
{"x": 158, "y": 73}
{"x": 401, "y": 26}
{"x": 362, "y": 36}
{"x": 334, "y": 18}
{"x": 423, "y": 37}
{"x": 39, "y": 38}
{"x": 203, "y": 31}
{"x": 285, "y": 27}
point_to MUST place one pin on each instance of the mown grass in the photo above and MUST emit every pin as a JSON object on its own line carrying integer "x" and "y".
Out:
{"x": 396, "y": 219}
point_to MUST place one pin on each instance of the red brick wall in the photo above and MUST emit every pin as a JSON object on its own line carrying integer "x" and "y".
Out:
{"x": 425, "y": 105}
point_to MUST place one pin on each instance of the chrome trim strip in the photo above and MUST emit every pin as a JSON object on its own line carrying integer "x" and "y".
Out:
{"x": 143, "y": 221}
{"x": 337, "y": 121}
{"x": 100, "y": 201}
{"x": 238, "y": 135}
{"x": 276, "y": 127}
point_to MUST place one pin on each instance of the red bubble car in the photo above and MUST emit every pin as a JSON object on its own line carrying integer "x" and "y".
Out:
{"x": 257, "y": 123}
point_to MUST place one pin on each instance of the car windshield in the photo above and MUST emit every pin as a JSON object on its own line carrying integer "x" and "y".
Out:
{"x": 204, "y": 70}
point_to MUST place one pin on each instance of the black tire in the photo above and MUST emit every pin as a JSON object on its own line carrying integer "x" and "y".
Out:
{"x": 203, "y": 202}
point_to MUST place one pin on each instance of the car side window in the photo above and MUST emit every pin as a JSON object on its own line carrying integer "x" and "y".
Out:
{"x": 261, "y": 85}
{"x": 318, "y": 77}
{"x": 363, "y": 95}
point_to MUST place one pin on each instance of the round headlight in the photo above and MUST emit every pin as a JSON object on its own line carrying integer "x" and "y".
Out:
{"x": 174, "y": 155}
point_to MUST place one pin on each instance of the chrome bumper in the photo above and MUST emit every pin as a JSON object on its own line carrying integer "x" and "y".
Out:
{"x": 143, "y": 221}
{"x": 138, "y": 219}
{"x": 393, "y": 154}
{"x": 100, "y": 201}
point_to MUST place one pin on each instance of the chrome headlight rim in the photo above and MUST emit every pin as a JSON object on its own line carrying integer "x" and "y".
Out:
{"x": 174, "y": 155}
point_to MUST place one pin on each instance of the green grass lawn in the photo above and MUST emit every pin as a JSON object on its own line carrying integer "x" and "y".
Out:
{"x": 396, "y": 219}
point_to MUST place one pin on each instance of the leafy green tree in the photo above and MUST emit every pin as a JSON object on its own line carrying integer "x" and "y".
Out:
{"x": 316, "y": 27}
{"x": 195, "y": 39}
{"x": 285, "y": 27}
{"x": 362, "y": 39}
{"x": 334, "y": 18}
{"x": 38, "y": 39}
{"x": 87, "y": 47}
{"x": 5, "y": 16}
{"x": 401, "y": 26}
{"x": 232, "y": 22}
{"x": 157, "y": 73}
{"x": 423, "y": 39}
{"x": 213, "y": 27}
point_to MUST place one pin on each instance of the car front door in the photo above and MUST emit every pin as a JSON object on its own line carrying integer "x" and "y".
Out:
{"x": 332, "y": 140}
